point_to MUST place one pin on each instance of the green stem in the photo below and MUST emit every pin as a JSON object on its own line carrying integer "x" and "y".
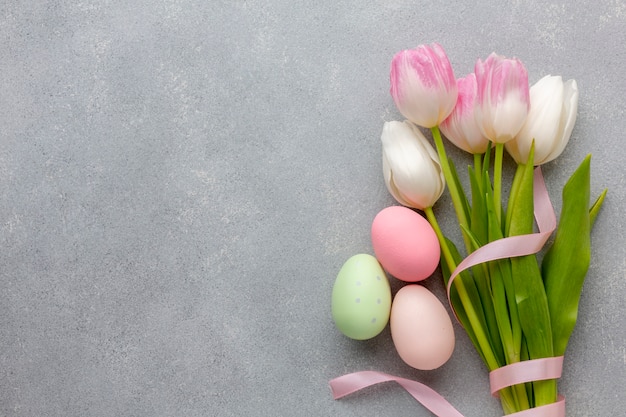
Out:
{"x": 455, "y": 193}
{"x": 497, "y": 181}
{"x": 445, "y": 250}
{"x": 478, "y": 162}
{"x": 481, "y": 337}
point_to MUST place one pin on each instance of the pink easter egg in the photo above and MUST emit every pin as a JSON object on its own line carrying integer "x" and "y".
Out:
{"x": 421, "y": 328}
{"x": 405, "y": 244}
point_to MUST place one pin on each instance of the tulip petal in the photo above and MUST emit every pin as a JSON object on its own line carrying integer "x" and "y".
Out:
{"x": 568, "y": 118}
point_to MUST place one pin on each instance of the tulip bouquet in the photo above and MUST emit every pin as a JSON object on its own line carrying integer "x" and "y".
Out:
{"x": 513, "y": 307}
{"x": 516, "y": 299}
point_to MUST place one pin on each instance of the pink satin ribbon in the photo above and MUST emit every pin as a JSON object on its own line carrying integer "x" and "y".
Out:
{"x": 517, "y": 373}
{"x": 526, "y": 371}
{"x": 347, "y": 384}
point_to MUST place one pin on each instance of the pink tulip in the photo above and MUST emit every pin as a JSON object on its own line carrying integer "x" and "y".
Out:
{"x": 460, "y": 127}
{"x": 503, "y": 99}
{"x": 423, "y": 84}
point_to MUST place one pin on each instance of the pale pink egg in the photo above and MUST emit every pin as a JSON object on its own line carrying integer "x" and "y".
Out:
{"x": 421, "y": 328}
{"x": 405, "y": 244}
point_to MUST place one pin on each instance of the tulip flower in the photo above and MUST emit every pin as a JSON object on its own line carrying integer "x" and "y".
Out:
{"x": 553, "y": 107}
{"x": 460, "y": 127}
{"x": 423, "y": 85}
{"x": 411, "y": 166}
{"x": 502, "y": 97}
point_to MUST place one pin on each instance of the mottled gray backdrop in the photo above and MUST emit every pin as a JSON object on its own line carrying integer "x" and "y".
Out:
{"x": 181, "y": 180}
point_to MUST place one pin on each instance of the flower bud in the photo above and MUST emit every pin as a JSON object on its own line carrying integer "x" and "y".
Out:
{"x": 460, "y": 127}
{"x": 553, "y": 108}
{"x": 423, "y": 84}
{"x": 502, "y": 97}
{"x": 411, "y": 166}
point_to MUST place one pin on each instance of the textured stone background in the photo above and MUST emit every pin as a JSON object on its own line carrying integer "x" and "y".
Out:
{"x": 181, "y": 180}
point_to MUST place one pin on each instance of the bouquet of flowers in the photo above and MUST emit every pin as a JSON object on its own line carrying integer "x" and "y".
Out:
{"x": 518, "y": 308}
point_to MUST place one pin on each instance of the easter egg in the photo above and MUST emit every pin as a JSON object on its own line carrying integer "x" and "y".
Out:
{"x": 421, "y": 328}
{"x": 405, "y": 244}
{"x": 361, "y": 298}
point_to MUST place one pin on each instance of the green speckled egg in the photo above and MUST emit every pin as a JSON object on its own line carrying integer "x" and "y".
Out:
{"x": 361, "y": 300}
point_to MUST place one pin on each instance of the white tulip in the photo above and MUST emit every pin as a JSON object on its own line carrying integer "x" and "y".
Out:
{"x": 411, "y": 166}
{"x": 553, "y": 109}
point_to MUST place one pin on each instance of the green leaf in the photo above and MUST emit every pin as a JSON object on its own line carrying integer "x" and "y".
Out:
{"x": 503, "y": 289}
{"x": 517, "y": 178}
{"x": 596, "y": 206}
{"x": 479, "y": 210}
{"x": 478, "y": 236}
{"x": 487, "y": 157}
{"x": 480, "y": 274}
{"x": 455, "y": 177}
{"x": 530, "y": 294}
{"x": 456, "y": 300}
{"x": 481, "y": 279}
{"x": 521, "y": 205}
{"x": 565, "y": 264}
{"x": 534, "y": 316}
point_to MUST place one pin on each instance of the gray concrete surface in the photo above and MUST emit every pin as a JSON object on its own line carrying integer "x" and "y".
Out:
{"x": 181, "y": 180}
